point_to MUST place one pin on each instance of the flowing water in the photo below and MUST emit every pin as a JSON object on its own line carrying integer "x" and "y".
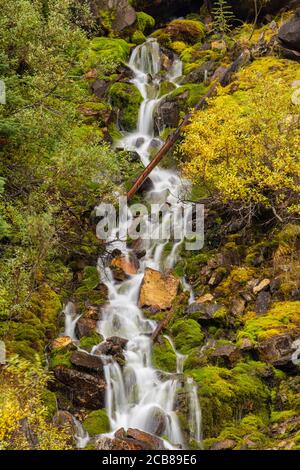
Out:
{"x": 138, "y": 396}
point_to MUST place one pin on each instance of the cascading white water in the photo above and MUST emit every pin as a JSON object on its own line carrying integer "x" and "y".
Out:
{"x": 71, "y": 318}
{"x": 138, "y": 396}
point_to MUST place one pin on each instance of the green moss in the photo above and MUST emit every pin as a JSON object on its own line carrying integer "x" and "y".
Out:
{"x": 144, "y": 21}
{"x": 194, "y": 94}
{"x": 88, "y": 342}
{"x": 166, "y": 88}
{"x": 187, "y": 31}
{"x": 106, "y": 50}
{"x": 187, "y": 335}
{"x": 164, "y": 357}
{"x": 138, "y": 37}
{"x": 97, "y": 423}
{"x": 90, "y": 280}
{"x": 50, "y": 402}
{"x": 279, "y": 416}
{"x": 281, "y": 317}
{"x": 225, "y": 393}
{"x": 125, "y": 99}
{"x": 60, "y": 357}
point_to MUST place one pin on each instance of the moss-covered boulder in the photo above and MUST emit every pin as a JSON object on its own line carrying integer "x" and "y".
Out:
{"x": 125, "y": 100}
{"x": 105, "y": 53}
{"x": 97, "y": 422}
{"x": 187, "y": 335}
{"x": 188, "y": 31}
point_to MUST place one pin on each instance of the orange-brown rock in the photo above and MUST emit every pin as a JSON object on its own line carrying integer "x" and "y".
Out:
{"x": 158, "y": 290}
{"x": 124, "y": 266}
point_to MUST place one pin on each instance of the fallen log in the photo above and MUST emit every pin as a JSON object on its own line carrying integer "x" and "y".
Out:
{"x": 162, "y": 326}
{"x": 172, "y": 139}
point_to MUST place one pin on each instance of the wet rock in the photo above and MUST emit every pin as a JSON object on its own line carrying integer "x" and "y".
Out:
{"x": 167, "y": 114}
{"x": 226, "y": 444}
{"x": 157, "y": 422}
{"x": 114, "y": 347}
{"x": 289, "y": 33}
{"x": 139, "y": 142}
{"x": 85, "y": 327}
{"x": 140, "y": 439}
{"x": 84, "y": 390}
{"x": 87, "y": 361}
{"x": 204, "y": 312}
{"x": 124, "y": 266}
{"x": 226, "y": 355}
{"x": 146, "y": 186}
{"x": 64, "y": 419}
{"x": 262, "y": 302}
{"x": 158, "y": 290}
{"x": 138, "y": 248}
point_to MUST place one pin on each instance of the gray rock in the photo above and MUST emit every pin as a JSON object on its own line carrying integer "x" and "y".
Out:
{"x": 289, "y": 33}
{"x": 87, "y": 361}
{"x": 262, "y": 302}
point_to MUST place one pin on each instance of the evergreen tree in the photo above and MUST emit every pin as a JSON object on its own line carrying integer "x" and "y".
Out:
{"x": 223, "y": 16}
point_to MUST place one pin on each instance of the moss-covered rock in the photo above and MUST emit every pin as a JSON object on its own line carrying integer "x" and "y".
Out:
{"x": 187, "y": 335}
{"x": 144, "y": 21}
{"x": 88, "y": 342}
{"x": 106, "y": 51}
{"x": 164, "y": 357}
{"x": 282, "y": 317}
{"x": 126, "y": 100}
{"x": 97, "y": 422}
{"x": 187, "y": 31}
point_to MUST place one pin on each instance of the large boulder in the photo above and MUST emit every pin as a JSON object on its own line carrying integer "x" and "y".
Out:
{"x": 132, "y": 439}
{"x": 83, "y": 389}
{"x": 289, "y": 33}
{"x": 87, "y": 362}
{"x": 278, "y": 350}
{"x": 158, "y": 290}
{"x": 115, "y": 14}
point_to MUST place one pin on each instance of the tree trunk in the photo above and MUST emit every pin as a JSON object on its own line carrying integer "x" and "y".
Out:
{"x": 172, "y": 139}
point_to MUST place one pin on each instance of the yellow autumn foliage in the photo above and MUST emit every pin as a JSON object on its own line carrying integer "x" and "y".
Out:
{"x": 24, "y": 419}
{"x": 245, "y": 147}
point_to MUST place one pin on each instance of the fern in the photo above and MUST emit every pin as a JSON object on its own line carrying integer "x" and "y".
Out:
{"x": 223, "y": 17}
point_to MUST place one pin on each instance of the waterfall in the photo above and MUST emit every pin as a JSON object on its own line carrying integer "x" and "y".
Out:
{"x": 139, "y": 396}
{"x": 71, "y": 318}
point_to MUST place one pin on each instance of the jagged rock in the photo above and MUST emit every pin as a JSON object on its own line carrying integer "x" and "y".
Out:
{"x": 226, "y": 444}
{"x": 216, "y": 278}
{"x": 167, "y": 114}
{"x": 121, "y": 12}
{"x": 61, "y": 342}
{"x": 245, "y": 344}
{"x": 114, "y": 347}
{"x": 262, "y": 302}
{"x": 289, "y": 33}
{"x": 87, "y": 361}
{"x": 238, "y": 306}
{"x": 124, "y": 266}
{"x": 205, "y": 312}
{"x": 100, "y": 87}
{"x": 205, "y": 299}
{"x": 227, "y": 355}
{"x": 82, "y": 389}
{"x": 261, "y": 286}
{"x": 85, "y": 327}
{"x": 158, "y": 290}
{"x": 277, "y": 350}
